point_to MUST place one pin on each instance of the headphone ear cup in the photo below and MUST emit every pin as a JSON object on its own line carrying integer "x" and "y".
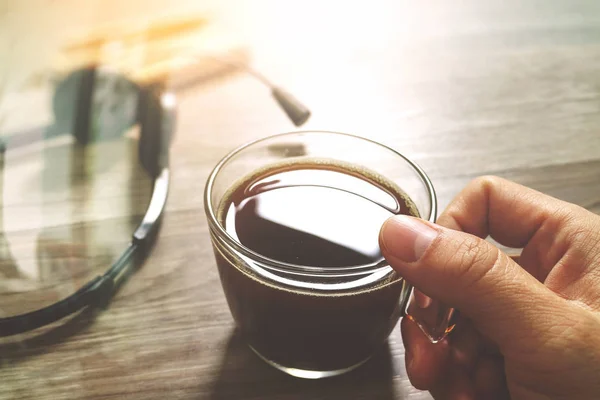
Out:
{"x": 156, "y": 126}
{"x": 72, "y": 104}
{"x": 84, "y": 94}
{"x": 89, "y": 94}
{"x": 65, "y": 102}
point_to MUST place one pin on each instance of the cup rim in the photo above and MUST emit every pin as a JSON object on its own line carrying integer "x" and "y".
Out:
{"x": 295, "y": 269}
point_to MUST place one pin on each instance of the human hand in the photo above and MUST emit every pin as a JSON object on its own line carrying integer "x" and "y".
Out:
{"x": 527, "y": 331}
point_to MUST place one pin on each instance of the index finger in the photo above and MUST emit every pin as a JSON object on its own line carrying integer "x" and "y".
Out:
{"x": 508, "y": 212}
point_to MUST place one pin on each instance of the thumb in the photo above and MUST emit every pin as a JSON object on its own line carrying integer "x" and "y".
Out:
{"x": 465, "y": 272}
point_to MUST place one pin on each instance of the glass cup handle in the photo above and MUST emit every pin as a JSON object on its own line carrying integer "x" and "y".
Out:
{"x": 434, "y": 318}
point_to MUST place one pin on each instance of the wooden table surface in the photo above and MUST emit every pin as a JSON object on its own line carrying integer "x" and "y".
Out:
{"x": 503, "y": 87}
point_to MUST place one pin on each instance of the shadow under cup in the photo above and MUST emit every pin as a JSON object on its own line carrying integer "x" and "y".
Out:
{"x": 307, "y": 320}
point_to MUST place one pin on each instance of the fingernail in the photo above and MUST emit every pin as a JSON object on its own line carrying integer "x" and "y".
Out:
{"x": 422, "y": 300}
{"x": 406, "y": 238}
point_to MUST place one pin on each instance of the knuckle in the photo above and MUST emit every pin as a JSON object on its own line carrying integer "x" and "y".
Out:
{"x": 578, "y": 235}
{"x": 584, "y": 240}
{"x": 580, "y": 230}
{"x": 474, "y": 259}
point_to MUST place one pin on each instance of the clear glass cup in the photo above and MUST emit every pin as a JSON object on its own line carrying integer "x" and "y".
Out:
{"x": 308, "y": 321}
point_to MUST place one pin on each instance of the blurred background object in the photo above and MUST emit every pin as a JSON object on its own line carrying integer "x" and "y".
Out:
{"x": 60, "y": 214}
{"x": 141, "y": 40}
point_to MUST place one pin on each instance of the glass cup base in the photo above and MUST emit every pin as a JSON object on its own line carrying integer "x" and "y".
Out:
{"x": 308, "y": 374}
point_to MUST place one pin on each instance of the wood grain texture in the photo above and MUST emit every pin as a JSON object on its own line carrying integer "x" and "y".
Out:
{"x": 498, "y": 87}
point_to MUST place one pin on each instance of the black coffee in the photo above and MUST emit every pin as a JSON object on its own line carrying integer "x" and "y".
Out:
{"x": 320, "y": 214}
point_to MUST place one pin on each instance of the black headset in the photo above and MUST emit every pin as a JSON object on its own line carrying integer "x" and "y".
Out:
{"x": 155, "y": 113}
